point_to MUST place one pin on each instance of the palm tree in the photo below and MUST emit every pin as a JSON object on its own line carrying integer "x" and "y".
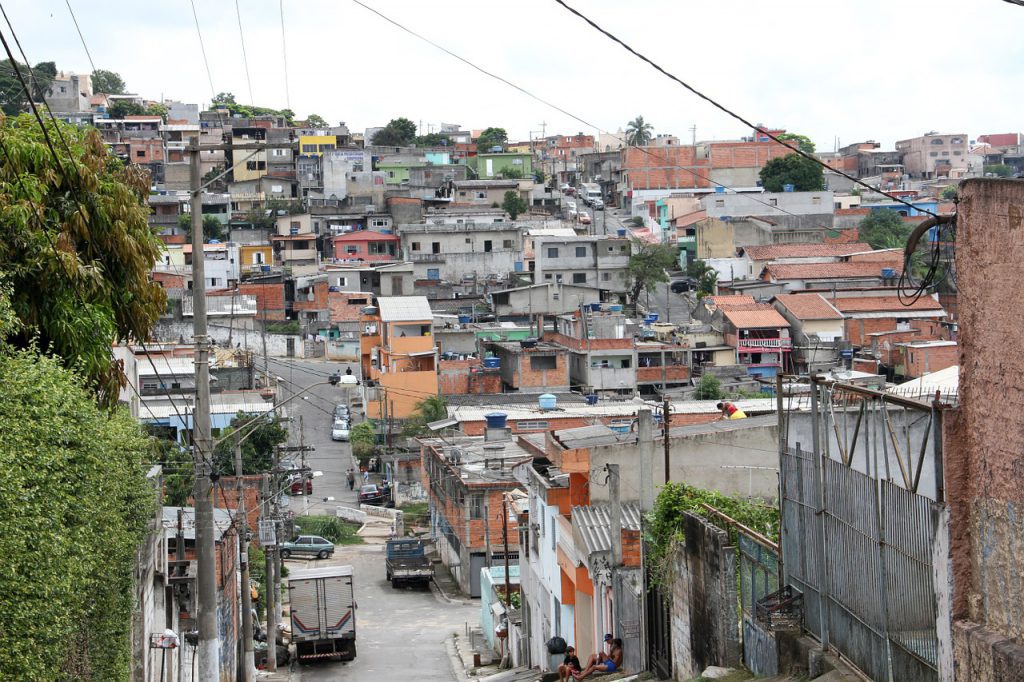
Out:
{"x": 638, "y": 132}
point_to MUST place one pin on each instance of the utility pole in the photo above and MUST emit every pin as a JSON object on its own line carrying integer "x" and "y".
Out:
{"x": 487, "y": 527}
{"x": 504, "y": 535}
{"x": 616, "y": 515}
{"x": 249, "y": 656}
{"x": 645, "y": 439}
{"x": 271, "y": 606}
{"x": 666, "y": 417}
{"x": 202, "y": 443}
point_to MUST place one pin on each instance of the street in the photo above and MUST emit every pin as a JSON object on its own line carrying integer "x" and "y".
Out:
{"x": 670, "y": 306}
{"x": 399, "y": 633}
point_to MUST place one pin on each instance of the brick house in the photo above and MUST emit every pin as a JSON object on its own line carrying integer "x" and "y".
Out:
{"x": 399, "y": 355}
{"x": 918, "y": 358}
{"x": 602, "y": 351}
{"x": 882, "y": 313}
{"x": 532, "y": 366}
{"x": 760, "y": 336}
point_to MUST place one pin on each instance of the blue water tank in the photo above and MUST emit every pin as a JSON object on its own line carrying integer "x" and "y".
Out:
{"x": 591, "y": 399}
{"x": 334, "y": 289}
{"x": 651, "y": 317}
{"x": 465, "y": 319}
{"x": 615, "y": 308}
{"x": 719, "y": 189}
{"x": 518, "y": 266}
{"x": 621, "y": 231}
{"x": 492, "y": 363}
{"x": 547, "y": 401}
{"x": 496, "y": 420}
{"x": 888, "y": 273}
{"x": 595, "y": 307}
{"x": 787, "y": 188}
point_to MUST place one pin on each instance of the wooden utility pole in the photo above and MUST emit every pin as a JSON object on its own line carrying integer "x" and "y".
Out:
{"x": 666, "y": 417}
{"x": 504, "y": 535}
{"x": 249, "y": 656}
{"x": 269, "y": 576}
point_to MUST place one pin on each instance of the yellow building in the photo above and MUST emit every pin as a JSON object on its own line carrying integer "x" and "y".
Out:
{"x": 399, "y": 356}
{"x": 316, "y": 145}
{"x": 252, "y": 257}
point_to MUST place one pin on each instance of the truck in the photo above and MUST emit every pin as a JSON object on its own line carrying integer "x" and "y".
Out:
{"x": 408, "y": 563}
{"x": 590, "y": 191}
{"x": 323, "y": 612}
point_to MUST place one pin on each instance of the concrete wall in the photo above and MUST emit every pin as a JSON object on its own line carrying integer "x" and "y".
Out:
{"x": 811, "y": 209}
{"x": 705, "y": 618}
{"x": 983, "y": 446}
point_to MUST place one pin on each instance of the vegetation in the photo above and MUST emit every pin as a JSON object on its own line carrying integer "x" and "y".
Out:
{"x": 664, "y": 524}
{"x": 330, "y": 528}
{"x": 636, "y": 221}
{"x": 491, "y": 137}
{"x": 257, "y": 448}
{"x": 416, "y": 513}
{"x": 883, "y": 228}
{"x": 949, "y": 193}
{"x": 706, "y": 276}
{"x": 803, "y": 142}
{"x": 708, "y": 388}
{"x": 1000, "y": 170}
{"x": 12, "y": 96}
{"x": 399, "y": 132}
{"x": 121, "y": 109}
{"x": 538, "y": 176}
{"x": 74, "y": 507}
{"x": 287, "y": 327}
{"x": 226, "y": 100}
{"x": 514, "y": 204}
{"x": 108, "y": 82}
{"x": 511, "y": 173}
{"x": 212, "y": 228}
{"x": 363, "y": 437}
{"x": 430, "y": 409}
{"x": 316, "y": 121}
{"x": 648, "y": 264}
{"x": 804, "y": 174}
{"x": 266, "y": 218}
{"x": 179, "y": 476}
{"x": 432, "y": 140}
{"x": 638, "y": 132}
{"x": 96, "y": 272}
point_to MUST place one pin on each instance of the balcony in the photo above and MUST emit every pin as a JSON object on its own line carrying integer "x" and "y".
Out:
{"x": 751, "y": 345}
{"x": 427, "y": 258}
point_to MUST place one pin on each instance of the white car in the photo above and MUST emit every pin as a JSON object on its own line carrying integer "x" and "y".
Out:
{"x": 340, "y": 430}
{"x": 570, "y": 206}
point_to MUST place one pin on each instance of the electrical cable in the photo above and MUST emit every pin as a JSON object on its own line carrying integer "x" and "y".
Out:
{"x": 80, "y": 36}
{"x": 245, "y": 57}
{"x": 726, "y": 110}
{"x": 202, "y": 48}
{"x": 284, "y": 57}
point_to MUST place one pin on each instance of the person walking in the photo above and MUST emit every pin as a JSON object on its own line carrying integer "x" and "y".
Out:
{"x": 351, "y": 477}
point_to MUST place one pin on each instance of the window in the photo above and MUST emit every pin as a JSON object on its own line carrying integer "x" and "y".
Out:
{"x": 488, "y": 246}
{"x": 771, "y": 202}
{"x": 552, "y": 252}
{"x": 945, "y": 153}
{"x": 326, "y": 147}
{"x": 435, "y": 247}
{"x": 351, "y": 249}
{"x": 257, "y": 258}
{"x": 276, "y": 189}
{"x": 308, "y": 148}
{"x": 506, "y": 244}
{"x": 558, "y": 278}
{"x": 343, "y": 282}
{"x": 63, "y": 89}
{"x": 938, "y": 140}
{"x": 256, "y": 165}
{"x": 816, "y": 201}
{"x": 278, "y": 152}
{"x": 481, "y": 195}
{"x": 579, "y": 278}
{"x": 391, "y": 174}
{"x": 547, "y": 276}
{"x": 379, "y": 222}
{"x": 956, "y": 140}
{"x": 581, "y": 252}
{"x": 533, "y": 426}
{"x": 462, "y": 194}
{"x": 933, "y": 153}
{"x": 543, "y": 362}
{"x": 469, "y": 240}
{"x": 476, "y": 506}
{"x": 606, "y": 276}
{"x": 140, "y": 153}
{"x": 719, "y": 203}
{"x": 415, "y": 246}
{"x": 957, "y": 153}
{"x": 433, "y": 273}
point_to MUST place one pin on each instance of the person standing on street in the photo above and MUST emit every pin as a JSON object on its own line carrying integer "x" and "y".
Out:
{"x": 351, "y": 477}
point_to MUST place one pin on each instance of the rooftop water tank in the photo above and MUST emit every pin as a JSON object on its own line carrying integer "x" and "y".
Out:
{"x": 465, "y": 319}
{"x": 621, "y": 232}
{"x": 719, "y": 189}
{"x": 787, "y": 188}
{"x": 547, "y": 401}
{"x": 591, "y": 399}
{"x": 887, "y": 273}
{"x": 615, "y": 308}
{"x": 492, "y": 363}
{"x": 651, "y": 317}
{"x": 496, "y": 420}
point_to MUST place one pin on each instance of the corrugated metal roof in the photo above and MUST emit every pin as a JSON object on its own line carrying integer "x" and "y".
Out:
{"x": 593, "y": 523}
{"x": 809, "y": 307}
{"x": 587, "y": 436}
{"x": 404, "y": 309}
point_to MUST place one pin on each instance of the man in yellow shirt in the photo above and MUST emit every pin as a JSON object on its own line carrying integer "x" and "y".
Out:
{"x": 730, "y": 411}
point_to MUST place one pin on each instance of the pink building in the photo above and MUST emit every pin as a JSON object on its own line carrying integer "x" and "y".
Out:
{"x": 364, "y": 245}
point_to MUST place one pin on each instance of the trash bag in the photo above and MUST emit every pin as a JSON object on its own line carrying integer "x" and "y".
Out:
{"x": 556, "y": 645}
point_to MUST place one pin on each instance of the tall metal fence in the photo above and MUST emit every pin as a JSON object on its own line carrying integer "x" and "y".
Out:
{"x": 863, "y": 565}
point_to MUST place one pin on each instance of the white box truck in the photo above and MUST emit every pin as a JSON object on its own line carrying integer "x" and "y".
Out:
{"x": 323, "y": 612}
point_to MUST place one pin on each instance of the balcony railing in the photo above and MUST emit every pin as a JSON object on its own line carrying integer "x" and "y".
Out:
{"x": 764, "y": 344}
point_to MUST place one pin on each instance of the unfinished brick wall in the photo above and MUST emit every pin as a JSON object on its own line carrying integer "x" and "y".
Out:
{"x": 984, "y": 437}
{"x": 462, "y": 377}
{"x": 921, "y": 361}
{"x": 269, "y": 299}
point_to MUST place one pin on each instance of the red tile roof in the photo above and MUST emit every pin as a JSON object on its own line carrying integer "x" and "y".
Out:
{"x": 774, "y": 251}
{"x": 778, "y": 272}
{"x": 809, "y": 307}
{"x": 757, "y": 318}
{"x": 875, "y": 304}
{"x": 731, "y": 301}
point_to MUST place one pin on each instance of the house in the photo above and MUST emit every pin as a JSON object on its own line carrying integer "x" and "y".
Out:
{"x": 69, "y": 92}
{"x": 364, "y": 245}
{"x": 757, "y": 257}
{"x": 532, "y": 366}
{"x": 796, "y": 277}
{"x": 254, "y": 259}
{"x": 871, "y": 313}
{"x": 816, "y": 330}
{"x": 596, "y": 261}
{"x": 490, "y": 192}
{"x": 295, "y": 244}
{"x": 489, "y": 165}
{"x": 919, "y": 358}
{"x": 398, "y": 355}
{"x": 933, "y": 155}
{"x": 467, "y": 479}
{"x": 661, "y": 365}
{"x": 788, "y": 209}
{"x": 761, "y": 338}
{"x": 220, "y": 262}
{"x": 386, "y": 279}
{"x": 602, "y": 352}
{"x": 546, "y": 298}
{"x": 450, "y": 251}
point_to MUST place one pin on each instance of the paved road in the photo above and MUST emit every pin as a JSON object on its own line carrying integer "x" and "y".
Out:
{"x": 670, "y": 307}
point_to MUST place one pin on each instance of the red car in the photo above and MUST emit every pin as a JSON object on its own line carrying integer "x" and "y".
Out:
{"x": 297, "y": 485}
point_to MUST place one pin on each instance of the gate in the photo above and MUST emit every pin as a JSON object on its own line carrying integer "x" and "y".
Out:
{"x": 658, "y": 622}
{"x": 759, "y": 577}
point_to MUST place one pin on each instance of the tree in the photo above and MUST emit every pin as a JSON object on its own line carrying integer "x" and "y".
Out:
{"x": 648, "y": 264}
{"x": 706, "y": 276}
{"x": 363, "y": 437}
{"x": 96, "y": 270}
{"x": 430, "y": 409}
{"x": 178, "y": 470}
{"x": 257, "y": 448}
{"x": 74, "y": 508}
{"x": 223, "y": 99}
{"x": 511, "y": 173}
{"x": 399, "y": 132}
{"x": 803, "y": 142}
{"x": 949, "y": 193}
{"x": 12, "y": 94}
{"x": 883, "y": 227}
{"x": 432, "y": 140}
{"x": 538, "y": 176}
{"x": 122, "y": 108}
{"x": 514, "y": 204}
{"x": 107, "y": 82}
{"x": 212, "y": 228}
{"x": 804, "y": 174}
{"x": 157, "y": 109}
{"x": 708, "y": 388}
{"x": 491, "y": 137}
{"x": 316, "y": 121}
{"x": 638, "y": 132}
{"x": 1000, "y": 170}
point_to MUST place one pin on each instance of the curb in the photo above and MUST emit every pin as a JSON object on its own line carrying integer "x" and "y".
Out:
{"x": 455, "y": 659}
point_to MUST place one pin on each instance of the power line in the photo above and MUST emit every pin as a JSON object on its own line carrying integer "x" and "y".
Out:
{"x": 284, "y": 56}
{"x": 245, "y": 58}
{"x": 202, "y": 48}
{"x": 80, "y": 36}
{"x": 730, "y": 112}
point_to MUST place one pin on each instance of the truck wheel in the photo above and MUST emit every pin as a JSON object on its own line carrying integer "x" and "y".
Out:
{"x": 394, "y": 584}
{"x": 285, "y": 553}
{"x": 323, "y": 554}
{"x": 389, "y": 576}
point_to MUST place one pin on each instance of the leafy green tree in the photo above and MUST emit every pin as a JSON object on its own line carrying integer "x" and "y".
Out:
{"x": 156, "y": 109}
{"x": 648, "y": 264}
{"x": 949, "y": 193}
{"x": 257, "y": 448}
{"x": 74, "y": 508}
{"x": 363, "y": 437}
{"x": 223, "y": 99}
{"x": 432, "y": 140}
{"x": 514, "y": 204}
{"x": 882, "y": 228}
{"x": 804, "y": 174}
{"x": 803, "y": 142}
{"x": 212, "y": 228}
{"x": 511, "y": 173}
{"x": 708, "y": 388}
{"x": 122, "y": 108}
{"x": 430, "y": 409}
{"x": 1000, "y": 170}
{"x": 491, "y": 137}
{"x": 107, "y": 82}
{"x": 638, "y": 132}
{"x": 706, "y": 276}
{"x": 96, "y": 269}
{"x": 538, "y": 176}
{"x": 12, "y": 94}
{"x": 178, "y": 470}
{"x": 399, "y": 132}
{"x": 316, "y": 121}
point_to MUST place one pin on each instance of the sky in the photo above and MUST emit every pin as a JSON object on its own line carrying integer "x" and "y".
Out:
{"x": 835, "y": 71}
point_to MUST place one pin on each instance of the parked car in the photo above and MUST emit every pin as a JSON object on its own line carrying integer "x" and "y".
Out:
{"x": 570, "y": 205}
{"x": 598, "y": 204}
{"x": 308, "y": 545}
{"x": 681, "y": 285}
{"x": 342, "y": 411}
{"x": 341, "y": 430}
{"x": 585, "y": 218}
{"x": 371, "y": 493}
{"x": 297, "y": 487}
{"x": 568, "y": 190}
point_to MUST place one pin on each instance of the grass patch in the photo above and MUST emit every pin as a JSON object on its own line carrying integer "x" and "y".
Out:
{"x": 336, "y": 530}
{"x": 416, "y": 513}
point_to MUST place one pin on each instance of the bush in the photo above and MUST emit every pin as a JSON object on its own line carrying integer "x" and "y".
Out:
{"x": 290, "y": 327}
{"x": 708, "y": 388}
{"x": 330, "y": 527}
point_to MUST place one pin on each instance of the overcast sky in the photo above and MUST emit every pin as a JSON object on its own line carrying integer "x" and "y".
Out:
{"x": 849, "y": 70}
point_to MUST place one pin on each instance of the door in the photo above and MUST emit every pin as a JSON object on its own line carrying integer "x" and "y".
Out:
{"x": 396, "y": 285}
{"x": 290, "y": 348}
{"x": 476, "y": 563}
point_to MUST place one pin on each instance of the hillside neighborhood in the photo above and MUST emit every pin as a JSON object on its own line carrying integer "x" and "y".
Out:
{"x": 303, "y": 399}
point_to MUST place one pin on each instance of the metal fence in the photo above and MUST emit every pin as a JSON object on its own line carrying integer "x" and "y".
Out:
{"x": 863, "y": 565}
{"x": 759, "y": 577}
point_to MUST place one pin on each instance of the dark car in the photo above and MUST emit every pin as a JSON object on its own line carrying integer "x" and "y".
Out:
{"x": 681, "y": 285}
{"x": 371, "y": 493}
